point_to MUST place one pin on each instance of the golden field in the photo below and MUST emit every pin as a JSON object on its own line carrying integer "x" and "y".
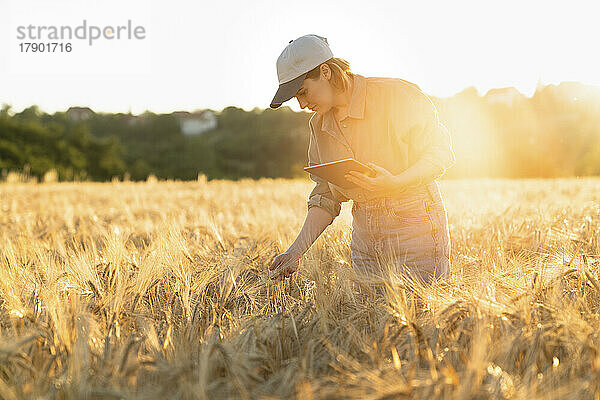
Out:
{"x": 158, "y": 290}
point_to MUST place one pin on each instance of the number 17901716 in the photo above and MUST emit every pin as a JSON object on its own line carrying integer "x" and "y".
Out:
{"x": 50, "y": 47}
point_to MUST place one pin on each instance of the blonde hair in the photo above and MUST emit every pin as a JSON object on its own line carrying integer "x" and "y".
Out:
{"x": 340, "y": 73}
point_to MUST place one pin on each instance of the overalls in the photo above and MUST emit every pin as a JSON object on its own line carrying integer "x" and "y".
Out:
{"x": 408, "y": 233}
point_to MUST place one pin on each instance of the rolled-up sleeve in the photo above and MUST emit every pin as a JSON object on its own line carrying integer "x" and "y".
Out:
{"x": 424, "y": 132}
{"x": 321, "y": 195}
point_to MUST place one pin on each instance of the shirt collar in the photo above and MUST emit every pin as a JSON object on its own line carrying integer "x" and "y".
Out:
{"x": 356, "y": 109}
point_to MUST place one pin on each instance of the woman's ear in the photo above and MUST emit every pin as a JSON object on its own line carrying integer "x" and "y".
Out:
{"x": 325, "y": 71}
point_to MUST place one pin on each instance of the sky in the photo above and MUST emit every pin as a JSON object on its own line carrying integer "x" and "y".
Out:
{"x": 197, "y": 54}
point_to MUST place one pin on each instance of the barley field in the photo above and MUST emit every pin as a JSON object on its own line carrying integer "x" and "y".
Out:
{"x": 154, "y": 290}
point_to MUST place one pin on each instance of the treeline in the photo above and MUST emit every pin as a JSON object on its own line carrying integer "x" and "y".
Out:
{"x": 102, "y": 146}
{"x": 35, "y": 142}
{"x": 554, "y": 133}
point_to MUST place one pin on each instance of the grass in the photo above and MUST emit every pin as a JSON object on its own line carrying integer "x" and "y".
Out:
{"x": 161, "y": 290}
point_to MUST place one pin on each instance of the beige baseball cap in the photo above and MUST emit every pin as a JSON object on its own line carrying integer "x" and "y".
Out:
{"x": 295, "y": 61}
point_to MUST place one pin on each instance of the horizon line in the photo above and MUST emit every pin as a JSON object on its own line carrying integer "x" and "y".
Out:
{"x": 539, "y": 85}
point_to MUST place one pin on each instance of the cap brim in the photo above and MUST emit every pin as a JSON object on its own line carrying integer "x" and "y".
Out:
{"x": 287, "y": 90}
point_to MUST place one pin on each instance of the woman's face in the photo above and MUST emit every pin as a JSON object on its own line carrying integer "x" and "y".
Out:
{"x": 318, "y": 94}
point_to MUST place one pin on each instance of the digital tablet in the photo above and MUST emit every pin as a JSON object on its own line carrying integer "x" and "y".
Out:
{"x": 335, "y": 171}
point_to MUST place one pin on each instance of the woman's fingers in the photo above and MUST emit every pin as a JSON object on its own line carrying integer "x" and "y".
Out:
{"x": 287, "y": 271}
{"x": 283, "y": 273}
{"x": 277, "y": 275}
{"x": 360, "y": 182}
{"x": 277, "y": 262}
{"x": 378, "y": 169}
{"x": 274, "y": 264}
{"x": 358, "y": 177}
{"x": 277, "y": 265}
{"x": 282, "y": 270}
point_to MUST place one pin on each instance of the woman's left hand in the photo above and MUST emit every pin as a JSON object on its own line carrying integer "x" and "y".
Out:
{"x": 384, "y": 181}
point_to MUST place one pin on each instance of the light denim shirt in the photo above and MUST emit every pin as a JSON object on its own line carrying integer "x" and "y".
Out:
{"x": 390, "y": 122}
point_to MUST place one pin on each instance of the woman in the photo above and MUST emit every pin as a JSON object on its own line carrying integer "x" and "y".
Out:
{"x": 399, "y": 218}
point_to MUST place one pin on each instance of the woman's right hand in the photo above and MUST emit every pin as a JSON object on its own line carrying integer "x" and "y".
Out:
{"x": 284, "y": 265}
